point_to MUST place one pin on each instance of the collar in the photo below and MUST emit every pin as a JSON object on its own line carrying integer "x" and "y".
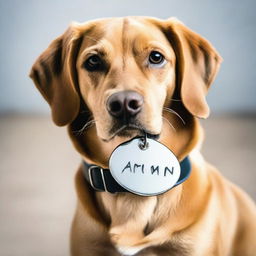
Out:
{"x": 102, "y": 180}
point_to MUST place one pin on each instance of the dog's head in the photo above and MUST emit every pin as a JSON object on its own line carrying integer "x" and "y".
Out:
{"x": 127, "y": 72}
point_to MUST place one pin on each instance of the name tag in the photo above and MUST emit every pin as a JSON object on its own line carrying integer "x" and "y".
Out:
{"x": 144, "y": 171}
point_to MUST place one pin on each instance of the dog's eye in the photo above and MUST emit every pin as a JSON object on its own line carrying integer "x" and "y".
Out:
{"x": 156, "y": 58}
{"x": 93, "y": 63}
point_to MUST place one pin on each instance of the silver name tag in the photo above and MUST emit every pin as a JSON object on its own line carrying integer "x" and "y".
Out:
{"x": 146, "y": 170}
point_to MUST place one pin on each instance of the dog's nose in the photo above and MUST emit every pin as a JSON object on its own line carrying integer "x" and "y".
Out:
{"x": 124, "y": 104}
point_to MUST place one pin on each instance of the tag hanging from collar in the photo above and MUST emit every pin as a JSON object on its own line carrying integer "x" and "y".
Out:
{"x": 144, "y": 167}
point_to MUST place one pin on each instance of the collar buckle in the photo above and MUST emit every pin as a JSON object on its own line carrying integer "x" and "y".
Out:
{"x": 93, "y": 168}
{"x": 90, "y": 175}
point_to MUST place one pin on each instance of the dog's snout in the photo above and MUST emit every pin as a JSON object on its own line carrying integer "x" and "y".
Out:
{"x": 124, "y": 104}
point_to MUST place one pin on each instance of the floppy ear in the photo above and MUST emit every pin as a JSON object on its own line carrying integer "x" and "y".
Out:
{"x": 54, "y": 74}
{"x": 197, "y": 64}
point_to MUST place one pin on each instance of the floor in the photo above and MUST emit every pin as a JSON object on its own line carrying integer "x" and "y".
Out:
{"x": 38, "y": 163}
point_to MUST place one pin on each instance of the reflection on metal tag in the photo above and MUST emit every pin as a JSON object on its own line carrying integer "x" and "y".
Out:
{"x": 150, "y": 169}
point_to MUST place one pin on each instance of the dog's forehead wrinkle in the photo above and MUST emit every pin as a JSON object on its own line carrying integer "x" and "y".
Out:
{"x": 125, "y": 27}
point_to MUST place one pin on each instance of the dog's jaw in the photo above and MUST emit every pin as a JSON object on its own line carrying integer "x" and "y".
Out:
{"x": 131, "y": 132}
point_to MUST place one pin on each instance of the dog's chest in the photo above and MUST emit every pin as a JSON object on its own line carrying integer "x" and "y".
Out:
{"x": 171, "y": 248}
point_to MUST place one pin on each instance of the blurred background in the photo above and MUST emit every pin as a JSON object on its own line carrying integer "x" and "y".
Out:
{"x": 37, "y": 160}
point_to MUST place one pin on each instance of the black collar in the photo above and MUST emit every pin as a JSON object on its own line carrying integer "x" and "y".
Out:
{"x": 102, "y": 180}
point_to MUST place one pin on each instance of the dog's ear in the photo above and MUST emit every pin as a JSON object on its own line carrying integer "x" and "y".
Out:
{"x": 197, "y": 64}
{"x": 54, "y": 74}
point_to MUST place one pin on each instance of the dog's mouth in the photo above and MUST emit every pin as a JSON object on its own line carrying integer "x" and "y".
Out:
{"x": 129, "y": 131}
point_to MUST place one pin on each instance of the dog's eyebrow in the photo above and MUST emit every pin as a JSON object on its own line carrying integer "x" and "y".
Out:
{"x": 157, "y": 46}
{"x": 92, "y": 49}
{"x": 95, "y": 49}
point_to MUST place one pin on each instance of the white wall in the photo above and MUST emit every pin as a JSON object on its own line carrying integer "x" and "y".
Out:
{"x": 27, "y": 27}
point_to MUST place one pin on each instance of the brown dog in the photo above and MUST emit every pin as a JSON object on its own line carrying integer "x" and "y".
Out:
{"x": 112, "y": 79}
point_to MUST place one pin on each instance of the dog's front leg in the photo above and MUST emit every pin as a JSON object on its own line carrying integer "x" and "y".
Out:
{"x": 89, "y": 237}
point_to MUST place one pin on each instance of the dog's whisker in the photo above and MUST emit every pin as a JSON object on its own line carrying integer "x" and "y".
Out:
{"x": 170, "y": 124}
{"x": 115, "y": 133}
{"x": 175, "y": 113}
{"x": 85, "y": 127}
{"x": 176, "y": 100}
{"x": 85, "y": 111}
{"x": 137, "y": 127}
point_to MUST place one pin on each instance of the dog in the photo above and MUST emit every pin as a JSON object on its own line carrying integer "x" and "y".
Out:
{"x": 110, "y": 80}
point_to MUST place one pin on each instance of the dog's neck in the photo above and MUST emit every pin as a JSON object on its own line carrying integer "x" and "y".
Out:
{"x": 141, "y": 221}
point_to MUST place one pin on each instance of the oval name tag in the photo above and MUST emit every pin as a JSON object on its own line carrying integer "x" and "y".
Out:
{"x": 149, "y": 171}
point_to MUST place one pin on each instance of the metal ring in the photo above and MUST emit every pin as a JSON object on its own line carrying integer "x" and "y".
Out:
{"x": 143, "y": 144}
